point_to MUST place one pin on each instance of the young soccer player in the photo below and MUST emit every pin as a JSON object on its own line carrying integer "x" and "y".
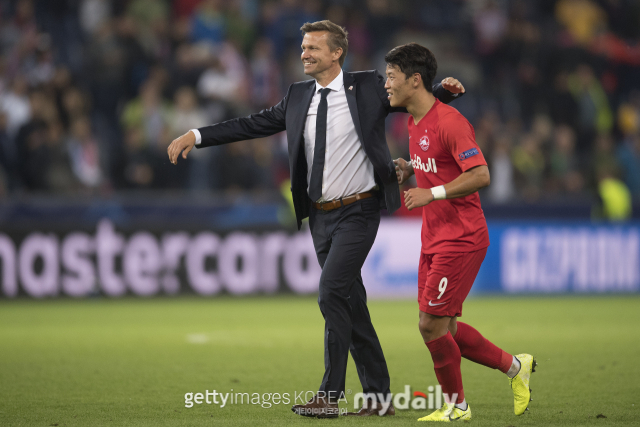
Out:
{"x": 449, "y": 169}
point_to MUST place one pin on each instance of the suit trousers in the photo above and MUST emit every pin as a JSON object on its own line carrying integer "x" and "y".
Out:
{"x": 342, "y": 239}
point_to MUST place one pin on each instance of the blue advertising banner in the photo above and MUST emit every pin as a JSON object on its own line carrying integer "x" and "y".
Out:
{"x": 524, "y": 257}
{"x": 548, "y": 257}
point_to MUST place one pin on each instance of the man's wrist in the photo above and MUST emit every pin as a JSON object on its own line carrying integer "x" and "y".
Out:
{"x": 439, "y": 193}
{"x": 196, "y": 133}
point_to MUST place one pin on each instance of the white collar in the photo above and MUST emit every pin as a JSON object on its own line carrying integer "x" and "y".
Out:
{"x": 336, "y": 85}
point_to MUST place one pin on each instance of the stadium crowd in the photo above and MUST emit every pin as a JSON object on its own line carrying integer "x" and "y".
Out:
{"x": 93, "y": 91}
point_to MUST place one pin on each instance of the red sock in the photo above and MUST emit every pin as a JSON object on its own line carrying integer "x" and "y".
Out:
{"x": 446, "y": 362}
{"x": 475, "y": 347}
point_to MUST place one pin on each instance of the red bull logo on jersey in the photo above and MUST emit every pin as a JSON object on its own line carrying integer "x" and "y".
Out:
{"x": 427, "y": 166}
{"x": 424, "y": 143}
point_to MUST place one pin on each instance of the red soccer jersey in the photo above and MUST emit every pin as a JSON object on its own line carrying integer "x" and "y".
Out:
{"x": 442, "y": 146}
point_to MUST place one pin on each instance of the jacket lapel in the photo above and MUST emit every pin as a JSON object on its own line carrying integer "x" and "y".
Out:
{"x": 350, "y": 87}
{"x": 298, "y": 121}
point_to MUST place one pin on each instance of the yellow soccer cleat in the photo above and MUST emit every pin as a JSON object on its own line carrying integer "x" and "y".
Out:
{"x": 441, "y": 414}
{"x": 520, "y": 383}
{"x": 458, "y": 414}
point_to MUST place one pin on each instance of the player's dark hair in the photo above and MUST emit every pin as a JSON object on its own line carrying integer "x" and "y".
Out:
{"x": 337, "y": 35}
{"x": 411, "y": 59}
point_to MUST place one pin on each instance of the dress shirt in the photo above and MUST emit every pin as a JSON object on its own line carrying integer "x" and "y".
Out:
{"x": 347, "y": 170}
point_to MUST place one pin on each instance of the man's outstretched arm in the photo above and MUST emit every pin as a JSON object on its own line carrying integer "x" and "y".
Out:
{"x": 265, "y": 123}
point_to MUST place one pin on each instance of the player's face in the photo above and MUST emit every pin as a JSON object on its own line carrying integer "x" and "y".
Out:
{"x": 316, "y": 55}
{"x": 398, "y": 86}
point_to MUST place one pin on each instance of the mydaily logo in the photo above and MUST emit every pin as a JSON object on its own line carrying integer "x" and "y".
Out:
{"x": 418, "y": 400}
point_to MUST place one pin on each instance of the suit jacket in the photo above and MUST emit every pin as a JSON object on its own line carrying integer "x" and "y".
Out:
{"x": 369, "y": 106}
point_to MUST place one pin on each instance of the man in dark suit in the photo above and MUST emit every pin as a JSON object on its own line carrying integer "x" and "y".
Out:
{"x": 342, "y": 174}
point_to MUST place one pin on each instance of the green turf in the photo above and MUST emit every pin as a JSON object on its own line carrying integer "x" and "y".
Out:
{"x": 130, "y": 362}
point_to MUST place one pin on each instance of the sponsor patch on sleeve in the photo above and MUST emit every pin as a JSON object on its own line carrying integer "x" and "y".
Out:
{"x": 469, "y": 153}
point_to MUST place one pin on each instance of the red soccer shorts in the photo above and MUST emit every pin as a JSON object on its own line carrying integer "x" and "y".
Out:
{"x": 445, "y": 279}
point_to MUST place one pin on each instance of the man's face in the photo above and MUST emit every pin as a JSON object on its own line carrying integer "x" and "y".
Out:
{"x": 398, "y": 86}
{"x": 316, "y": 55}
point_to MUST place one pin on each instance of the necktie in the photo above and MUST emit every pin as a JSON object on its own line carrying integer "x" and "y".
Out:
{"x": 315, "y": 184}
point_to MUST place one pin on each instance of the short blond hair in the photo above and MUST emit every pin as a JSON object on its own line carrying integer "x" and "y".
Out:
{"x": 337, "y": 35}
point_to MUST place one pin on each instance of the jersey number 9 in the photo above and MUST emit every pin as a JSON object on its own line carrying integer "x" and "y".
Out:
{"x": 442, "y": 286}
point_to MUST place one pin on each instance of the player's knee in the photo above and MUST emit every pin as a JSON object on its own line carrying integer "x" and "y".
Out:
{"x": 426, "y": 326}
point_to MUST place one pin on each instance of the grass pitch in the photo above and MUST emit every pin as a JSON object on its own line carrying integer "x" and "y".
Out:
{"x": 130, "y": 362}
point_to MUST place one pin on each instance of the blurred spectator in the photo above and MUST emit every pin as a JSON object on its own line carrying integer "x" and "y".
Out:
{"x": 501, "y": 189}
{"x": 150, "y": 17}
{"x": 224, "y": 79}
{"x": 240, "y": 28}
{"x": 16, "y": 106}
{"x": 60, "y": 175}
{"x": 85, "y": 154}
{"x": 583, "y": 18}
{"x": 614, "y": 196}
{"x": 562, "y": 105}
{"x": 595, "y": 114}
{"x": 603, "y": 159}
{"x": 39, "y": 67}
{"x": 94, "y": 14}
{"x": 629, "y": 117}
{"x": 74, "y": 105}
{"x": 31, "y": 142}
{"x": 629, "y": 158}
{"x": 529, "y": 164}
{"x": 184, "y": 8}
{"x": 190, "y": 61}
{"x": 140, "y": 160}
{"x": 148, "y": 113}
{"x": 208, "y": 22}
{"x": 265, "y": 74}
{"x": 490, "y": 24}
{"x": 107, "y": 68}
{"x": 186, "y": 113}
{"x": 563, "y": 164}
{"x": 8, "y": 157}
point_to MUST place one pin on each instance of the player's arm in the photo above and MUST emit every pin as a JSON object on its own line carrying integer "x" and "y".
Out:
{"x": 466, "y": 183}
{"x": 448, "y": 90}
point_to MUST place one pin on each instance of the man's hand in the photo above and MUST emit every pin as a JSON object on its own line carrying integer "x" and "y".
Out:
{"x": 417, "y": 197}
{"x": 452, "y": 85}
{"x": 404, "y": 170}
{"x": 182, "y": 144}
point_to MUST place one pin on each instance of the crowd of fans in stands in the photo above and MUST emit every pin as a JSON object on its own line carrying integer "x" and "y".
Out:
{"x": 93, "y": 91}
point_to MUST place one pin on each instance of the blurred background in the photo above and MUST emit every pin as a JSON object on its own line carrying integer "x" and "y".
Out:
{"x": 93, "y": 91}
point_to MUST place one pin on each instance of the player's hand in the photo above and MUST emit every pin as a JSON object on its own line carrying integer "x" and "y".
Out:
{"x": 417, "y": 197}
{"x": 404, "y": 170}
{"x": 182, "y": 144}
{"x": 452, "y": 85}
